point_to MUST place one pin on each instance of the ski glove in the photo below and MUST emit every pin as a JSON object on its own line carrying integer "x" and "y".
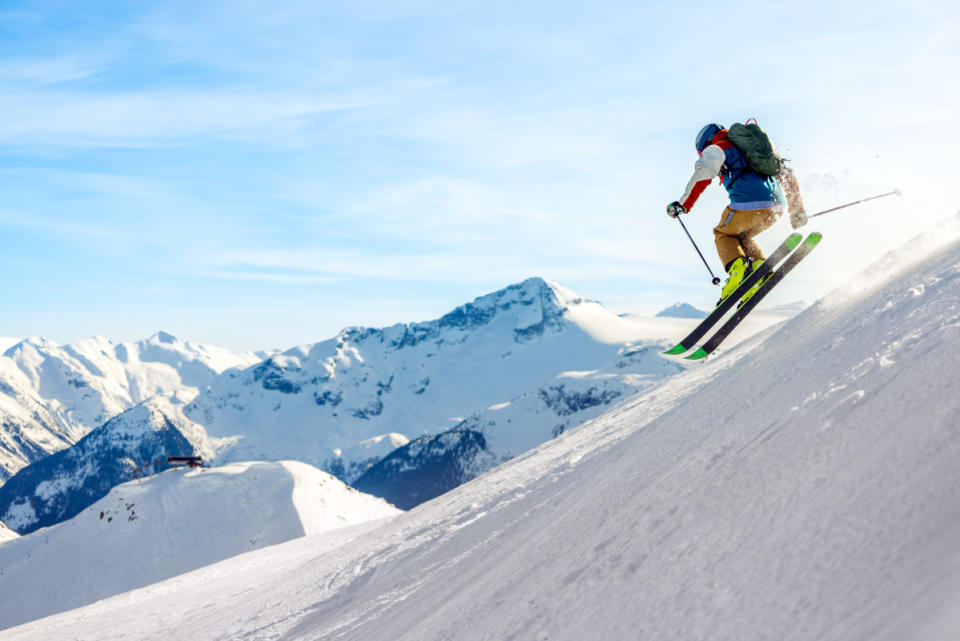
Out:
{"x": 798, "y": 219}
{"x": 674, "y": 209}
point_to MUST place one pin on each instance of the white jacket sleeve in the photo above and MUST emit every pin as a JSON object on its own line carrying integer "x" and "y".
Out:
{"x": 707, "y": 168}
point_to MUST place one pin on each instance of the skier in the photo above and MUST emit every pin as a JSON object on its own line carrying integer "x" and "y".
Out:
{"x": 756, "y": 201}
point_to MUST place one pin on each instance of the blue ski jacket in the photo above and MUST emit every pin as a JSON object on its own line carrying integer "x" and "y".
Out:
{"x": 747, "y": 188}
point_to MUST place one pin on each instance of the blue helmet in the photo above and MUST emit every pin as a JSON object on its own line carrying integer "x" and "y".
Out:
{"x": 706, "y": 136}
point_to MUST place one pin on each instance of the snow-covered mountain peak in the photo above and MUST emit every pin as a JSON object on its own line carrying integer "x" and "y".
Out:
{"x": 163, "y": 338}
{"x": 136, "y": 420}
{"x": 534, "y": 303}
{"x": 28, "y": 346}
{"x": 681, "y": 310}
{"x": 527, "y": 309}
{"x": 411, "y": 378}
{"x": 155, "y": 415}
{"x": 548, "y": 293}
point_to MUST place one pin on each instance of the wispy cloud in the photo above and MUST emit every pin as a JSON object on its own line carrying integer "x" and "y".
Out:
{"x": 57, "y": 226}
{"x": 65, "y": 119}
{"x": 47, "y": 71}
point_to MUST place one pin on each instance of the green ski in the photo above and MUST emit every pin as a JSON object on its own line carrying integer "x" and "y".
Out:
{"x": 809, "y": 243}
{"x": 727, "y": 303}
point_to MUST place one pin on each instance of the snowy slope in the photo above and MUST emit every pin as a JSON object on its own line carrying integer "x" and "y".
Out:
{"x": 803, "y": 486}
{"x": 410, "y": 379}
{"x": 6, "y": 534}
{"x": 79, "y": 386}
{"x": 134, "y": 443}
{"x": 146, "y": 531}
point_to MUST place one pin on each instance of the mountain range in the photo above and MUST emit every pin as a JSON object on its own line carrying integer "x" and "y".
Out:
{"x": 52, "y": 395}
{"x": 412, "y": 380}
{"x": 511, "y": 369}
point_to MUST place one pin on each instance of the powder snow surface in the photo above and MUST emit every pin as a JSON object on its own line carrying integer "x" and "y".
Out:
{"x": 803, "y": 486}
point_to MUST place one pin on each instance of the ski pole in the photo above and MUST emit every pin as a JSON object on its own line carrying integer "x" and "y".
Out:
{"x": 856, "y": 202}
{"x": 715, "y": 281}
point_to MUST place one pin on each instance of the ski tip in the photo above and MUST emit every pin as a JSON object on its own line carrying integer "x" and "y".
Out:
{"x": 793, "y": 240}
{"x": 812, "y": 240}
{"x": 697, "y": 355}
{"x": 676, "y": 349}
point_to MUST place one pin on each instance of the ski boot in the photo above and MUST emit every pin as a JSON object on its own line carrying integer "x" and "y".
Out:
{"x": 738, "y": 269}
{"x": 753, "y": 290}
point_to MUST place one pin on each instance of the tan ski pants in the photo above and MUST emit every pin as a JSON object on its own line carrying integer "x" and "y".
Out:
{"x": 734, "y": 235}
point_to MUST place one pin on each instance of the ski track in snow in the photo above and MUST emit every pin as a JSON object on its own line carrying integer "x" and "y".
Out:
{"x": 803, "y": 486}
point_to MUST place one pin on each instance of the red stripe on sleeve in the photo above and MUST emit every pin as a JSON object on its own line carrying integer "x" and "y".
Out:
{"x": 695, "y": 193}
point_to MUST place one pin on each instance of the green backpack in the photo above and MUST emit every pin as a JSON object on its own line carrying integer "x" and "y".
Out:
{"x": 761, "y": 154}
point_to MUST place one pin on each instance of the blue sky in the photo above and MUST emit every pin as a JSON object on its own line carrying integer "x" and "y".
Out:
{"x": 257, "y": 174}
